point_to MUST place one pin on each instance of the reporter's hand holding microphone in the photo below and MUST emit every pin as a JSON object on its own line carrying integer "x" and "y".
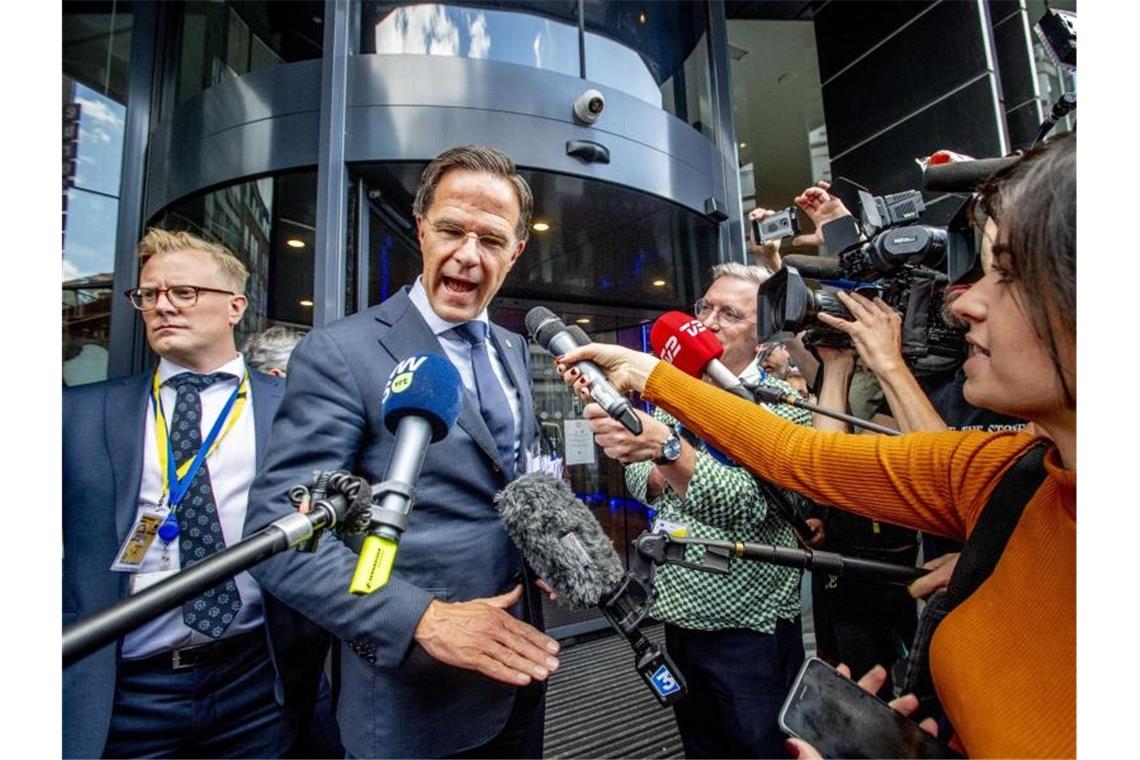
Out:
{"x": 626, "y": 369}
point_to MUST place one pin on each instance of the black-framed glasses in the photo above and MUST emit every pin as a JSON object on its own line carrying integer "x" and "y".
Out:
{"x": 725, "y": 314}
{"x": 180, "y": 296}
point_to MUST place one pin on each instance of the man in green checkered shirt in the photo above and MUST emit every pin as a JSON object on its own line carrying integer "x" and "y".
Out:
{"x": 736, "y": 638}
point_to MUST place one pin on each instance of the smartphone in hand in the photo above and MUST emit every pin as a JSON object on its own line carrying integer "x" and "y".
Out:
{"x": 833, "y": 713}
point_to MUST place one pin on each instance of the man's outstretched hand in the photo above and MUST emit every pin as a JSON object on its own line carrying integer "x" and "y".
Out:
{"x": 481, "y": 635}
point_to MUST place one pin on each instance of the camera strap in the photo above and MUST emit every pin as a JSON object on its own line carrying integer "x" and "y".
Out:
{"x": 979, "y": 557}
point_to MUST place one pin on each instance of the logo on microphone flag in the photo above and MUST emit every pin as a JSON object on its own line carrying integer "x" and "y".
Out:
{"x": 663, "y": 682}
{"x": 402, "y": 376}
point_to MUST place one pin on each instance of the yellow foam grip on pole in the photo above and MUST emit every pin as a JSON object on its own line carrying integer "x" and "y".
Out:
{"x": 377, "y": 555}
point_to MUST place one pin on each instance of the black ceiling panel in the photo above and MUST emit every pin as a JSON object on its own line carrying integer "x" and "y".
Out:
{"x": 844, "y": 29}
{"x": 1013, "y": 56}
{"x": 936, "y": 54}
{"x": 963, "y": 122}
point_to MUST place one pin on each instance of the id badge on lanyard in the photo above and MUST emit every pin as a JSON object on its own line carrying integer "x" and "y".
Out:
{"x": 161, "y": 520}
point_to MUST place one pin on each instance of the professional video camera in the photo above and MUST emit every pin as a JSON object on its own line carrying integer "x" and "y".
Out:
{"x": 907, "y": 265}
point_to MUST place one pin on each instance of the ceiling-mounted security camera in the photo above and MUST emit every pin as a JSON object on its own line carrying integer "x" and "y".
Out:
{"x": 589, "y": 105}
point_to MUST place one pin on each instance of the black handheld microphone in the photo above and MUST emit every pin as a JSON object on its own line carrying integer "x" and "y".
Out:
{"x": 422, "y": 400}
{"x": 815, "y": 267}
{"x": 552, "y": 334}
{"x": 562, "y": 541}
{"x": 963, "y": 176}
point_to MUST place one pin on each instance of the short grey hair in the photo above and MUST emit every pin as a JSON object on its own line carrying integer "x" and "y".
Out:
{"x": 270, "y": 348}
{"x": 750, "y": 272}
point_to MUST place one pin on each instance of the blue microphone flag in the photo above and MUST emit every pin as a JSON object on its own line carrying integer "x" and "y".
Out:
{"x": 425, "y": 385}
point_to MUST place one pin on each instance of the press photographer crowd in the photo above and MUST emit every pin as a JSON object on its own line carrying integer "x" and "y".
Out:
{"x": 342, "y": 548}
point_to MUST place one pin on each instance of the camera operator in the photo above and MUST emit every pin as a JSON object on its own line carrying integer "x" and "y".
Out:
{"x": 1004, "y": 660}
{"x": 736, "y": 638}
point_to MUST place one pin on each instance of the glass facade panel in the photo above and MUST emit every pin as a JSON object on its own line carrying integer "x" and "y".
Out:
{"x": 543, "y": 35}
{"x": 604, "y": 245}
{"x": 228, "y": 38}
{"x": 96, "y": 51}
{"x": 268, "y": 223}
{"x": 657, "y": 52}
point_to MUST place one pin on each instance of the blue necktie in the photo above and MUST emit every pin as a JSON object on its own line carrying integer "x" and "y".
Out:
{"x": 492, "y": 400}
{"x": 200, "y": 531}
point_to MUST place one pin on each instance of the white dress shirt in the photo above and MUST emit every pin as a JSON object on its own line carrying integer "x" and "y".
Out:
{"x": 458, "y": 351}
{"x": 231, "y": 466}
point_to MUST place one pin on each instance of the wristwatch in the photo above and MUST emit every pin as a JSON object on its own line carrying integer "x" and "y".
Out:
{"x": 670, "y": 450}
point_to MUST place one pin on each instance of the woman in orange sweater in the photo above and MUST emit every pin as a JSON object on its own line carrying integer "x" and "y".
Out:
{"x": 1004, "y": 661}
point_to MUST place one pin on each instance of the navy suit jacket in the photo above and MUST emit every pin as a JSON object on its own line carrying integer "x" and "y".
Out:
{"x": 103, "y": 429}
{"x": 395, "y": 700}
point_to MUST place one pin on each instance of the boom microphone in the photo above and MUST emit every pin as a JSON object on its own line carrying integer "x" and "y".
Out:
{"x": 815, "y": 267}
{"x": 421, "y": 401}
{"x": 962, "y": 176}
{"x": 562, "y": 541}
{"x": 552, "y": 334}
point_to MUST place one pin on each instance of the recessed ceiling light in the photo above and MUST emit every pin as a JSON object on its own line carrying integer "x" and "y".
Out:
{"x": 583, "y": 320}
{"x": 295, "y": 243}
{"x": 787, "y": 78}
{"x": 743, "y": 145}
{"x": 658, "y": 283}
{"x": 540, "y": 226}
{"x": 306, "y": 302}
{"x": 642, "y": 17}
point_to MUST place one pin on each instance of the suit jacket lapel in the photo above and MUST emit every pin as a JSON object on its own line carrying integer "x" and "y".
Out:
{"x": 125, "y": 428}
{"x": 266, "y": 396}
{"x": 408, "y": 334}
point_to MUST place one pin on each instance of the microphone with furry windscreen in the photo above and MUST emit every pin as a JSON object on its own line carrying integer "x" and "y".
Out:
{"x": 566, "y": 546}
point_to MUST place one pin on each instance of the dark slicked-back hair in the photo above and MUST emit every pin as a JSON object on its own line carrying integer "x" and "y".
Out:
{"x": 1034, "y": 203}
{"x": 476, "y": 158}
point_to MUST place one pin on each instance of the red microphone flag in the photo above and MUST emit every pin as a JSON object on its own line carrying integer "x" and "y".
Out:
{"x": 684, "y": 342}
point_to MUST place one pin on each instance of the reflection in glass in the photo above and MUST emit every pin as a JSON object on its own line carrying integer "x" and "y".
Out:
{"x": 606, "y": 245}
{"x": 657, "y": 52}
{"x": 541, "y": 35}
{"x": 223, "y": 39}
{"x": 96, "y": 49}
{"x": 255, "y": 220}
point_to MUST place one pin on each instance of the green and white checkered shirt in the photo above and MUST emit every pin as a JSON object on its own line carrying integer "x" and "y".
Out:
{"x": 723, "y": 503}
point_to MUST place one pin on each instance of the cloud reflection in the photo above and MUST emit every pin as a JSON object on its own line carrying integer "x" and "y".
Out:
{"x": 418, "y": 29}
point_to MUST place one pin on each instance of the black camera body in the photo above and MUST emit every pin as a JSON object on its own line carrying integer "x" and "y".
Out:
{"x": 784, "y": 223}
{"x": 908, "y": 266}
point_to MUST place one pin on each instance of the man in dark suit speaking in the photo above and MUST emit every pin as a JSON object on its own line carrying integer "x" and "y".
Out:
{"x": 156, "y": 471}
{"x": 440, "y": 660}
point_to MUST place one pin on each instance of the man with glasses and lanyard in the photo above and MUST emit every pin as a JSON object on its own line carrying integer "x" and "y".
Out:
{"x": 736, "y": 637}
{"x": 156, "y": 471}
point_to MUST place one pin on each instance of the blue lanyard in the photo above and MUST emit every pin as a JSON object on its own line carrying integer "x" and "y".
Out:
{"x": 179, "y": 486}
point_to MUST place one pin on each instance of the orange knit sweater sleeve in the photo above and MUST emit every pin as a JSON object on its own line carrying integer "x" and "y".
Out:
{"x": 1004, "y": 661}
{"x": 935, "y": 482}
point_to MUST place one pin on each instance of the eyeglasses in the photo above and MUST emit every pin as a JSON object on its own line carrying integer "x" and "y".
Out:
{"x": 180, "y": 296}
{"x": 726, "y": 315}
{"x": 491, "y": 245}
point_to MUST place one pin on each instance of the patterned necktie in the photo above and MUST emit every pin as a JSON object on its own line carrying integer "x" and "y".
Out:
{"x": 492, "y": 400}
{"x": 200, "y": 532}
